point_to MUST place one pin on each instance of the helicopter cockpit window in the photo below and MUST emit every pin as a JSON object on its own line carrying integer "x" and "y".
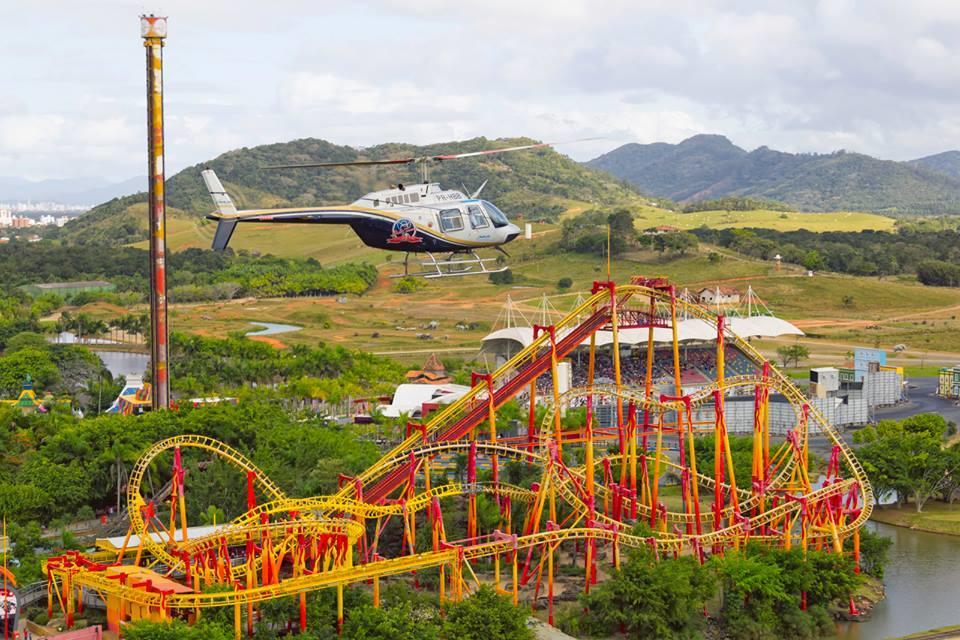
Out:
{"x": 499, "y": 220}
{"x": 451, "y": 220}
{"x": 477, "y": 219}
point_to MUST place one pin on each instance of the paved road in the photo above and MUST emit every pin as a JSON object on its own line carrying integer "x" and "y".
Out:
{"x": 923, "y": 399}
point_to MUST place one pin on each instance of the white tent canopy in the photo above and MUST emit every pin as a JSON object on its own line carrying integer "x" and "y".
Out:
{"x": 693, "y": 329}
{"x": 409, "y": 398}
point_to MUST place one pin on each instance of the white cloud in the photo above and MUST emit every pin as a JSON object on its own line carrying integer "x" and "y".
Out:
{"x": 874, "y": 75}
{"x": 26, "y": 133}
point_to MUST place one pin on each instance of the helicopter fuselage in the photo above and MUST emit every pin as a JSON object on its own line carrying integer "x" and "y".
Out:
{"x": 421, "y": 218}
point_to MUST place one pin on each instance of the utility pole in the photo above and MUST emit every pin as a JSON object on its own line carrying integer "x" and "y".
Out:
{"x": 153, "y": 30}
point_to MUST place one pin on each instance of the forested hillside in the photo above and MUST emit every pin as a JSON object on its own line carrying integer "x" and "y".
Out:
{"x": 528, "y": 184}
{"x": 706, "y": 167}
{"x": 947, "y": 162}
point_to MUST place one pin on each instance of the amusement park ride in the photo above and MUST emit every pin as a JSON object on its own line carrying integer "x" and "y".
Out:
{"x": 285, "y": 547}
{"x": 414, "y": 218}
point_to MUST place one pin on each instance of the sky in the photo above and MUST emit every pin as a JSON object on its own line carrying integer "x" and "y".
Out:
{"x": 876, "y": 76}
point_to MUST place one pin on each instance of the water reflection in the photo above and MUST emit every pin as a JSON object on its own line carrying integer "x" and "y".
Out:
{"x": 124, "y": 363}
{"x": 272, "y": 328}
{"x": 921, "y": 583}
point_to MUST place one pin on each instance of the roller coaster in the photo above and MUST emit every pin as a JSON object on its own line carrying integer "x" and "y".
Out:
{"x": 593, "y": 484}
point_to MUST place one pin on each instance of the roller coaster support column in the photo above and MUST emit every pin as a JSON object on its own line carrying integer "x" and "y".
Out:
{"x": 721, "y": 443}
{"x": 617, "y": 378}
{"x": 557, "y": 426}
{"x": 472, "y": 528}
{"x": 153, "y": 30}
{"x": 761, "y": 440}
{"x": 678, "y": 390}
{"x": 178, "y": 499}
{"x": 532, "y": 420}
{"x": 494, "y": 462}
{"x": 589, "y": 472}
{"x": 646, "y": 493}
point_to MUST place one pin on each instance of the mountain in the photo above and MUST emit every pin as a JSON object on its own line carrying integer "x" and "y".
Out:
{"x": 710, "y": 166}
{"x": 530, "y": 184}
{"x": 79, "y": 191}
{"x": 947, "y": 162}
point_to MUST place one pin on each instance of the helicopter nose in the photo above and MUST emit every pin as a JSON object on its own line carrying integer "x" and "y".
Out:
{"x": 512, "y": 232}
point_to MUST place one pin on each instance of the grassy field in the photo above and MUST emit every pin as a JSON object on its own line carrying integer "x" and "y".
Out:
{"x": 777, "y": 220}
{"x": 835, "y": 311}
{"x": 333, "y": 244}
{"x": 891, "y": 312}
{"x": 329, "y": 244}
{"x": 937, "y": 517}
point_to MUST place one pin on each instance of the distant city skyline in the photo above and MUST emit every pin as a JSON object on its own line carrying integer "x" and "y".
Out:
{"x": 876, "y": 76}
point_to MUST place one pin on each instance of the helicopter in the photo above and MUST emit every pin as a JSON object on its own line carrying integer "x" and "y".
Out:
{"x": 421, "y": 218}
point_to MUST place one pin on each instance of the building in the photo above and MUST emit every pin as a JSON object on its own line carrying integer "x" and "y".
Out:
{"x": 718, "y": 295}
{"x": 660, "y": 230}
{"x": 949, "y": 385}
{"x": 27, "y": 401}
{"x": 433, "y": 372}
{"x": 65, "y": 289}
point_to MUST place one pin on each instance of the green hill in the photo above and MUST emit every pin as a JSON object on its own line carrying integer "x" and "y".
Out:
{"x": 536, "y": 184}
{"x": 947, "y": 162}
{"x": 706, "y": 167}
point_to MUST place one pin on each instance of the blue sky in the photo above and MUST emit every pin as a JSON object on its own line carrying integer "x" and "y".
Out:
{"x": 876, "y": 76}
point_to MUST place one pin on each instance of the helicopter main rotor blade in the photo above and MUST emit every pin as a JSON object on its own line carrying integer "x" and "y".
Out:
{"x": 423, "y": 159}
{"x": 488, "y": 152}
{"x": 353, "y": 163}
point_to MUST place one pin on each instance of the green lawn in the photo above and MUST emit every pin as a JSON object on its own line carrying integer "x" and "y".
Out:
{"x": 937, "y": 517}
{"x": 778, "y": 220}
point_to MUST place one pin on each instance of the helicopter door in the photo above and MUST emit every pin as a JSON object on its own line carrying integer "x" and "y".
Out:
{"x": 477, "y": 219}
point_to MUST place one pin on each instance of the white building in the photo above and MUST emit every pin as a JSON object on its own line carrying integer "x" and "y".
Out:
{"x": 718, "y": 295}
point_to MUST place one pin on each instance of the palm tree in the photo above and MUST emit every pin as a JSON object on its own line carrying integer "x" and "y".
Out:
{"x": 114, "y": 325}
{"x": 118, "y": 455}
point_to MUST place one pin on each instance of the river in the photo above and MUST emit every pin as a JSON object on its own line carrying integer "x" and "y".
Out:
{"x": 921, "y": 583}
{"x": 272, "y": 328}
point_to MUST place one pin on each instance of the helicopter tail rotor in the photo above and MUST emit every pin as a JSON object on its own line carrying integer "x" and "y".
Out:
{"x": 226, "y": 215}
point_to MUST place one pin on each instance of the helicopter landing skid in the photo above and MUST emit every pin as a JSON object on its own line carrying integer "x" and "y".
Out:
{"x": 450, "y": 267}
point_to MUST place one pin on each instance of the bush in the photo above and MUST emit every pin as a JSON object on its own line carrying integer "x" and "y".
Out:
{"x": 409, "y": 284}
{"x": 502, "y": 277}
{"x": 486, "y": 615}
{"x": 176, "y": 630}
{"x": 564, "y": 283}
{"x": 873, "y": 552}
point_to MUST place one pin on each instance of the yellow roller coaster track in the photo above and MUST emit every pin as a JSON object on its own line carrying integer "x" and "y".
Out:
{"x": 287, "y": 546}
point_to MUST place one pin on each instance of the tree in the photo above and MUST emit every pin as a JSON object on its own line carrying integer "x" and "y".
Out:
{"x": 15, "y": 368}
{"x": 938, "y": 273}
{"x": 907, "y": 460}
{"x": 931, "y": 423}
{"x": 793, "y": 353}
{"x": 27, "y": 340}
{"x": 673, "y": 593}
{"x": 813, "y": 261}
{"x": 564, "y": 283}
{"x": 486, "y": 615}
{"x": 681, "y": 242}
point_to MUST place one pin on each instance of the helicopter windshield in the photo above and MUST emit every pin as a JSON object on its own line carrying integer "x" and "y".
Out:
{"x": 499, "y": 220}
